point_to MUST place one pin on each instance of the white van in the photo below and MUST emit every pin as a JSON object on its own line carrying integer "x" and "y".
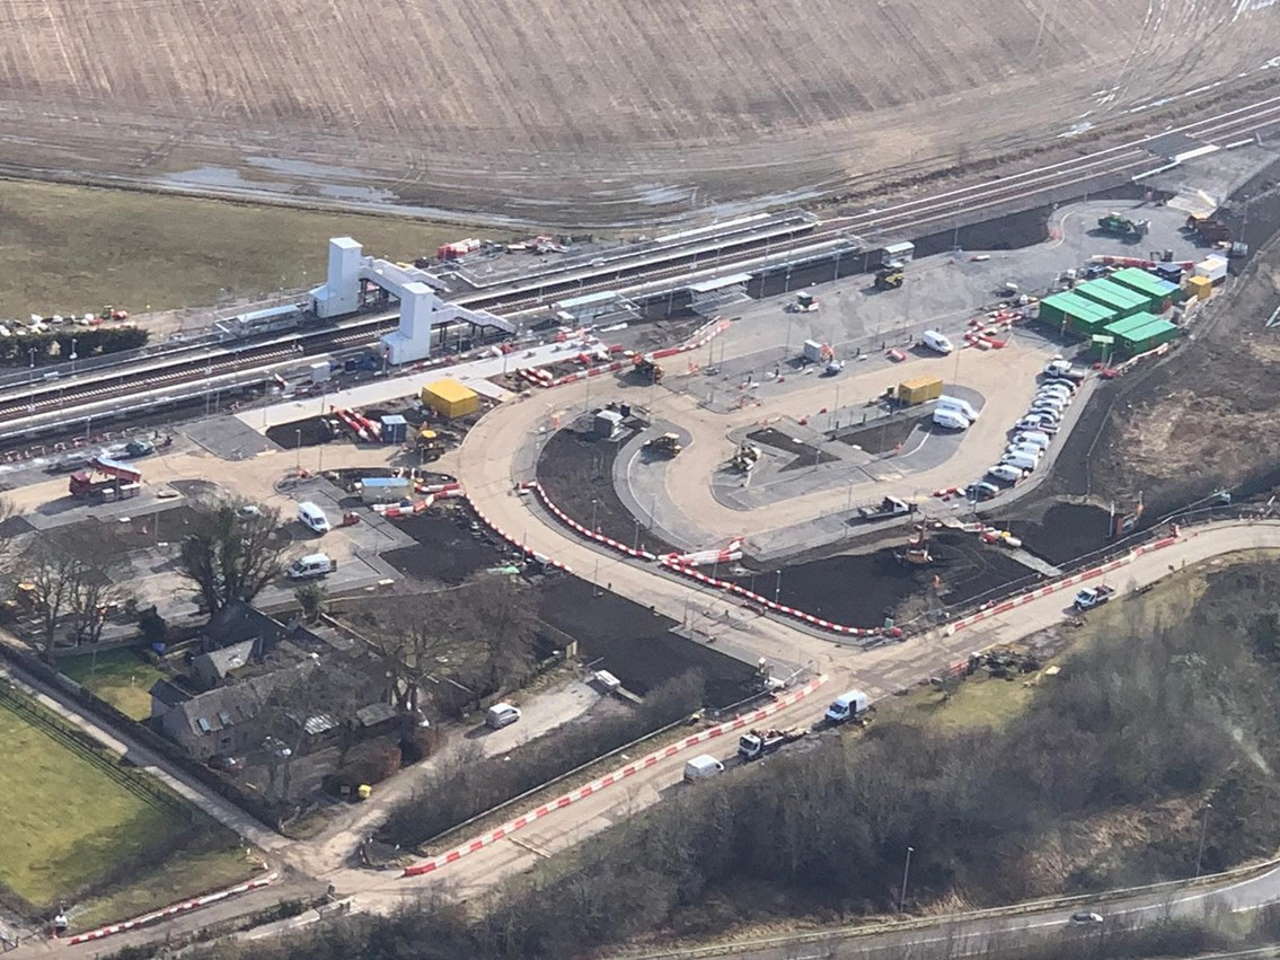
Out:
{"x": 1034, "y": 438}
{"x": 950, "y": 419}
{"x": 955, "y": 403}
{"x": 1022, "y": 461}
{"x": 1026, "y": 449}
{"x": 936, "y": 341}
{"x": 312, "y": 565}
{"x": 702, "y": 767}
{"x": 1006, "y": 472}
{"x": 848, "y": 706}
{"x": 312, "y": 517}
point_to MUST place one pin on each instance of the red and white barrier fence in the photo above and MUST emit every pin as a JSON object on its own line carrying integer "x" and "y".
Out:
{"x": 173, "y": 910}
{"x": 1070, "y": 581}
{"x": 547, "y": 561}
{"x": 703, "y": 558}
{"x": 781, "y": 702}
{"x": 755, "y": 598}
{"x": 578, "y": 528}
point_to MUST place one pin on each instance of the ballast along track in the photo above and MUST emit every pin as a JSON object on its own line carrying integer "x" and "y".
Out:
{"x": 738, "y": 246}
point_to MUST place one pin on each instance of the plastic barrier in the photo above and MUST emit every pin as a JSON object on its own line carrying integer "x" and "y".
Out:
{"x": 773, "y": 605}
{"x": 512, "y": 540}
{"x": 578, "y": 528}
{"x": 617, "y": 776}
{"x": 173, "y": 909}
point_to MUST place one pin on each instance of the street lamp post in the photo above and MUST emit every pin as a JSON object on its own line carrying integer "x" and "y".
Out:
{"x": 73, "y": 356}
{"x": 298, "y": 434}
{"x": 906, "y": 872}
{"x": 1204, "y": 829}
{"x": 32, "y": 407}
{"x": 777, "y": 590}
{"x": 594, "y": 504}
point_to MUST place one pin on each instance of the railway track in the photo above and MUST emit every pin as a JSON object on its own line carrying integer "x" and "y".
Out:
{"x": 1027, "y": 187}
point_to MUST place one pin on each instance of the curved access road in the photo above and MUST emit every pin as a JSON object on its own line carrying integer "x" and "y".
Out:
{"x": 1006, "y": 378}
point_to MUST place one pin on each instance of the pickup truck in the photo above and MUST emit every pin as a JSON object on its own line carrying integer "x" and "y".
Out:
{"x": 755, "y": 744}
{"x": 888, "y": 507}
{"x": 1092, "y": 597}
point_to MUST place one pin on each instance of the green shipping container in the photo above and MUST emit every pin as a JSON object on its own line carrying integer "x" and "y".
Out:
{"x": 1075, "y": 313}
{"x": 1163, "y": 294}
{"x": 1114, "y": 296}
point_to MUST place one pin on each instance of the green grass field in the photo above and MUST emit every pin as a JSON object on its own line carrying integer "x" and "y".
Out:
{"x": 74, "y": 820}
{"x": 70, "y": 249}
{"x": 120, "y": 677}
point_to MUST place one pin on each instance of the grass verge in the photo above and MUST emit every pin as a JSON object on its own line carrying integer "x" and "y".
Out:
{"x": 79, "y": 825}
{"x": 120, "y": 677}
{"x": 71, "y": 249}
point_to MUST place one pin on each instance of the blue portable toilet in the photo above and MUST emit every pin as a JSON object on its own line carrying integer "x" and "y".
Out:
{"x": 394, "y": 429}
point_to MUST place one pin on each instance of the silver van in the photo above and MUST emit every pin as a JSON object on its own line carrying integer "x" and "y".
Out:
{"x": 1006, "y": 472}
{"x": 1020, "y": 460}
{"x": 1033, "y": 437}
{"x": 1024, "y": 449}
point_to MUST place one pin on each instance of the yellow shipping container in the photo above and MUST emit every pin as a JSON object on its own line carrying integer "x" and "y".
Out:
{"x": 1198, "y": 287}
{"x": 920, "y": 390}
{"x": 450, "y": 399}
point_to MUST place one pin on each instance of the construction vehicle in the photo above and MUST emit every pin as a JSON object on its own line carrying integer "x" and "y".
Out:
{"x": 1118, "y": 225}
{"x": 888, "y": 507}
{"x": 667, "y": 445}
{"x": 106, "y": 479}
{"x": 746, "y": 458}
{"x": 1208, "y": 229}
{"x": 757, "y": 743}
{"x": 648, "y": 369}
{"x": 1092, "y": 597}
{"x": 890, "y": 278}
{"x": 917, "y": 552}
{"x": 111, "y": 313}
{"x": 430, "y": 444}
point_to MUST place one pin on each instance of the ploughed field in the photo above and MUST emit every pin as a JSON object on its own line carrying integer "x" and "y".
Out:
{"x": 466, "y": 104}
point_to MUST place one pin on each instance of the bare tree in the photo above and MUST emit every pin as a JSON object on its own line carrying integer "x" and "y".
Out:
{"x": 321, "y": 692}
{"x": 232, "y": 553}
{"x": 471, "y": 637}
{"x": 56, "y": 572}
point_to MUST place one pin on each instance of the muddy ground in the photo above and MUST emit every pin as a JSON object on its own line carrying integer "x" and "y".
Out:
{"x": 453, "y": 546}
{"x": 862, "y": 588}
{"x": 636, "y": 645}
{"x": 575, "y": 469}
{"x": 887, "y": 434}
{"x": 625, "y": 638}
{"x": 805, "y": 454}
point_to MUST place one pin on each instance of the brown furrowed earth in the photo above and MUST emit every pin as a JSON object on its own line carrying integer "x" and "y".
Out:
{"x": 582, "y": 110}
